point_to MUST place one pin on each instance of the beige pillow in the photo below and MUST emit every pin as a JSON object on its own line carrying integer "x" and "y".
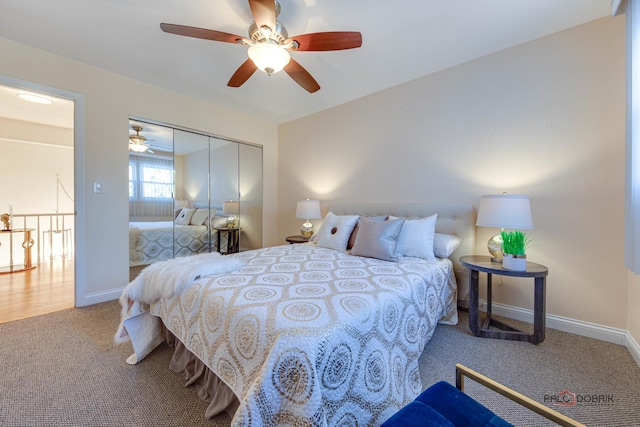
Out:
{"x": 354, "y": 233}
{"x": 377, "y": 239}
{"x": 199, "y": 217}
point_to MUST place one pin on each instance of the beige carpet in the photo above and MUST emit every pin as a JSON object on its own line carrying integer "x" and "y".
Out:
{"x": 62, "y": 369}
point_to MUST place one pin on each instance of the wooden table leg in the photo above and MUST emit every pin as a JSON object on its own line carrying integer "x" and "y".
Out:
{"x": 473, "y": 302}
{"x": 489, "y": 295}
{"x": 539, "y": 311}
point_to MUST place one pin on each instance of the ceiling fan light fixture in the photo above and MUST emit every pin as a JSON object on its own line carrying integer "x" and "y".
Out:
{"x": 138, "y": 148}
{"x": 137, "y": 139}
{"x": 269, "y": 57}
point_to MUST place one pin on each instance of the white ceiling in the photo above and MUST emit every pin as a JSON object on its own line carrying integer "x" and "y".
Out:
{"x": 402, "y": 41}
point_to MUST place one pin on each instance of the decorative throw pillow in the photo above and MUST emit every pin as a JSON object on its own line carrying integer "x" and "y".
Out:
{"x": 445, "y": 244}
{"x": 354, "y": 233}
{"x": 184, "y": 216}
{"x": 335, "y": 231}
{"x": 377, "y": 239}
{"x": 416, "y": 238}
{"x": 199, "y": 217}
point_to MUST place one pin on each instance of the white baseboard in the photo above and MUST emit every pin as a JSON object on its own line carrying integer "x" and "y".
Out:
{"x": 633, "y": 347}
{"x": 98, "y": 297}
{"x": 565, "y": 324}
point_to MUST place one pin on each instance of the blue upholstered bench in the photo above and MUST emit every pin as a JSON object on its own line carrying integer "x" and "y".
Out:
{"x": 444, "y": 405}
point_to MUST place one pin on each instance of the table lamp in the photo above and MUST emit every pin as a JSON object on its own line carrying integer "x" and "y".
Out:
{"x": 503, "y": 211}
{"x": 307, "y": 209}
{"x": 231, "y": 208}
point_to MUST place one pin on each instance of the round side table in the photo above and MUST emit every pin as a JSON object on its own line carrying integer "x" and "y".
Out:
{"x": 477, "y": 264}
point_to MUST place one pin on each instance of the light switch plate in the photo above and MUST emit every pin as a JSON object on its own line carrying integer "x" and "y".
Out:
{"x": 97, "y": 187}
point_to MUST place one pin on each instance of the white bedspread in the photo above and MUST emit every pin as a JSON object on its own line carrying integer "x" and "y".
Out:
{"x": 311, "y": 336}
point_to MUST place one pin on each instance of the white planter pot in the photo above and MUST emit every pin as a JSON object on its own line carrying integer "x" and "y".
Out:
{"x": 514, "y": 262}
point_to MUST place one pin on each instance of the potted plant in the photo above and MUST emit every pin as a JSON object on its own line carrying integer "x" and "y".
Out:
{"x": 514, "y": 246}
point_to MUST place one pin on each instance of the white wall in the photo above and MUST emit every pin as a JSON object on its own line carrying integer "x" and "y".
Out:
{"x": 544, "y": 119}
{"x": 31, "y": 156}
{"x": 109, "y": 101}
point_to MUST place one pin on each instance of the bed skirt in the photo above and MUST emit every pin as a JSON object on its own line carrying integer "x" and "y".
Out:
{"x": 210, "y": 388}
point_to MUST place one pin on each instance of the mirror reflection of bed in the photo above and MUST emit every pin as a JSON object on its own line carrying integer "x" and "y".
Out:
{"x": 178, "y": 186}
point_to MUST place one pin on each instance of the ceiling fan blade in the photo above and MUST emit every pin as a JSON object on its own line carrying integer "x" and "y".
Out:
{"x": 336, "y": 40}
{"x": 200, "y": 33}
{"x": 301, "y": 76}
{"x": 242, "y": 74}
{"x": 264, "y": 13}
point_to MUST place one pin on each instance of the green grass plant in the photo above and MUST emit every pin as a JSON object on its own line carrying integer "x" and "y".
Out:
{"x": 515, "y": 242}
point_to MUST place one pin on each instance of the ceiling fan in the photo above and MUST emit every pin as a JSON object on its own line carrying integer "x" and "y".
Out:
{"x": 137, "y": 142}
{"x": 269, "y": 44}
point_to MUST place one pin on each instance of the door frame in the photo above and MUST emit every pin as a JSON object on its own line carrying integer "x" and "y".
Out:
{"x": 78, "y": 176}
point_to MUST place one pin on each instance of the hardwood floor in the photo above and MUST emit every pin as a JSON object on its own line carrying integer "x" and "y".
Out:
{"x": 47, "y": 288}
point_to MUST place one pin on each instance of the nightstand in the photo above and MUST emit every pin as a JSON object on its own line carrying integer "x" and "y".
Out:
{"x": 297, "y": 239}
{"x": 477, "y": 264}
{"x": 233, "y": 239}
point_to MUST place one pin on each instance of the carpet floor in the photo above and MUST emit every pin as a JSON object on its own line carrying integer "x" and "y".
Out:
{"x": 63, "y": 369}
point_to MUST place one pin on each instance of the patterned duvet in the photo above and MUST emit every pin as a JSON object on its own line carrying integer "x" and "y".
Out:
{"x": 312, "y": 336}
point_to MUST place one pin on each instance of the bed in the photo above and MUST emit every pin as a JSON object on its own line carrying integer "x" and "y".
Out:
{"x": 308, "y": 334}
{"x": 190, "y": 233}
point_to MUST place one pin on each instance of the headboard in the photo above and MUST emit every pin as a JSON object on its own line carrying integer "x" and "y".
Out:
{"x": 205, "y": 205}
{"x": 453, "y": 218}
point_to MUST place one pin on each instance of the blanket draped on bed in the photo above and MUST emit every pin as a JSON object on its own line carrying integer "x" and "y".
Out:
{"x": 162, "y": 280}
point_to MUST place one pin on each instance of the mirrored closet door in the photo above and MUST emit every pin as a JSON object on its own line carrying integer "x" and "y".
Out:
{"x": 191, "y": 193}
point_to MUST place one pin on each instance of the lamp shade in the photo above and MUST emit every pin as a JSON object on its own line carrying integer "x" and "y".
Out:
{"x": 308, "y": 209}
{"x": 505, "y": 211}
{"x": 230, "y": 207}
{"x": 181, "y": 203}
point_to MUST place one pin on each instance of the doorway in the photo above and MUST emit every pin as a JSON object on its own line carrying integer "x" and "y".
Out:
{"x": 37, "y": 180}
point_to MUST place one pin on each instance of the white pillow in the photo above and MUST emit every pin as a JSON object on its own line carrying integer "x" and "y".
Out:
{"x": 416, "y": 238}
{"x": 184, "y": 216}
{"x": 199, "y": 217}
{"x": 219, "y": 221}
{"x": 445, "y": 244}
{"x": 335, "y": 231}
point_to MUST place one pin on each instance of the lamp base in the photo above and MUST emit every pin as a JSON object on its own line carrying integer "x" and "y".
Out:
{"x": 494, "y": 245}
{"x": 231, "y": 222}
{"x": 306, "y": 230}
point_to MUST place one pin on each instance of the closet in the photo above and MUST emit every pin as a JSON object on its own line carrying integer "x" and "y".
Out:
{"x": 216, "y": 180}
